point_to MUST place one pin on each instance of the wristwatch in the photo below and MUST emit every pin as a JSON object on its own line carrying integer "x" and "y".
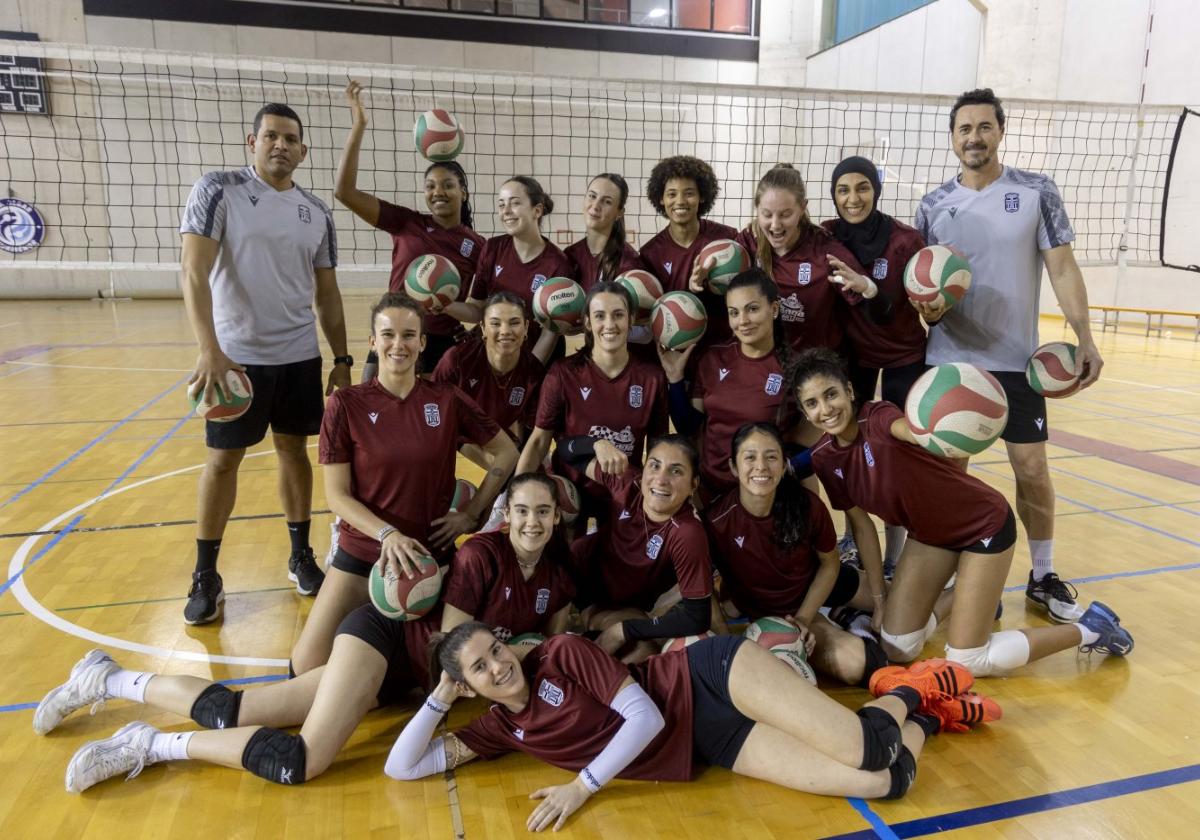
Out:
{"x": 348, "y": 361}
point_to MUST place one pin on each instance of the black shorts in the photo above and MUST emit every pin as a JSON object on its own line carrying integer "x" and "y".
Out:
{"x": 350, "y": 564}
{"x": 395, "y": 641}
{"x": 290, "y": 399}
{"x": 897, "y": 382}
{"x": 998, "y": 543}
{"x": 1026, "y": 409}
{"x": 718, "y": 729}
{"x": 844, "y": 588}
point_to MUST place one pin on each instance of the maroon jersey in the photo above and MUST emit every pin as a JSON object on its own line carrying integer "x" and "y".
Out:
{"x": 486, "y": 583}
{"x": 735, "y": 390}
{"x": 415, "y": 234}
{"x": 587, "y": 267}
{"x": 631, "y": 560}
{"x": 507, "y": 398}
{"x": 672, "y": 265}
{"x": 567, "y": 721}
{"x": 401, "y": 453}
{"x": 812, "y": 309}
{"x": 500, "y": 269}
{"x": 886, "y": 331}
{"x": 578, "y": 399}
{"x": 757, "y": 574}
{"x": 903, "y": 484}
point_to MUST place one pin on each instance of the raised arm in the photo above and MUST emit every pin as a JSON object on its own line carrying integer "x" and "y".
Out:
{"x": 345, "y": 187}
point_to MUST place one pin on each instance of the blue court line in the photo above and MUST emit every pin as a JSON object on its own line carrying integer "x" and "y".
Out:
{"x": 100, "y": 437}
{"x": 1099, "y": 483}
{"x": 1030, "y": 805}
{"x": 4, "y": 587}
{"x": 153, "y": 447}
{"x": 1183, "y": 567}
{"x": 20, "y": 707}
{"x": 879, "y": 829}
{"x": 1137, "y": 419}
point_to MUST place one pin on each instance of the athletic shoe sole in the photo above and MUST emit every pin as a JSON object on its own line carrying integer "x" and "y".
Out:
{"x": 208, "y": 619}
{"x": 296, "y": 580}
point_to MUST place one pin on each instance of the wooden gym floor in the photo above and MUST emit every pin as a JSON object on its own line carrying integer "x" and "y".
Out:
{"x": 97, "y": 505}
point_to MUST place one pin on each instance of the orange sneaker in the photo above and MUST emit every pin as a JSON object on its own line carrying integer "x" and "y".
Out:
{"x": 928, "y": 677}
{"x": 958, "y": 714}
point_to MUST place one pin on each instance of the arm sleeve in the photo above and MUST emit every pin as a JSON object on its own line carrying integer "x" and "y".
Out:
{"x": 335, "y": 445}
{"x": 802, "y": 463}
{"x": 204, "y": 213}
{"x": 921, "y": 221}
{"x": 693, "y": 565}
{"x": 326, "y": 255}
{"x": 1054, "y": 227}
{"x": 689, "y": 617}
{"x": 576, "y": 452}
{"x": 471, "y": 577}
{"x": 685, "y": 416}
{"x": 643, "y": 722}
{"x": 413, "y": 756}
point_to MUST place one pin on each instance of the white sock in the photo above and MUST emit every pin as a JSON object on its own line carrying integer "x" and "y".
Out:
{"x": 128, "y": 685}
{"x": 894, "y": 539}
{"x": 1042, "y": 552}
{"x": 1090, "y": 637}
{"x": 169, "y": 746}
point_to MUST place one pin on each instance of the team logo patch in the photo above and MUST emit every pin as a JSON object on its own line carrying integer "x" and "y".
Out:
{"x": 654, "y": 546}
{"x": 543, "y": 601}
{"x": 667, "y": 266}
{"x": 21, "y": 226}
{"x": 551, "y": 693}
{"x": 804, "y": 274}
{"x": 635, "y": 396}
{"x": 585, "y": 392}
{"x": 519, "y": 734}
{"x": 1012, "y": 202}
{"x": 739, "y": 541}
{"x": 499, "y": 268}
{"x": 254, "y": 201}
{"x": 774, "y": 383}
{"x": 723, "y": 372}
{"x": 507, "y": 592}
{"x": 374, "y": 415}
{"x": 466, "y": 247}
{"x": 838, "y": 472}
{"x": 624, "y": 515}
{"x": 305, "y": 213}
{"x": 880, "y": 268}
{"x": 868, "y": 455}
{"x": 516, "y": 396}
{"x": 473, "y": 382}
{"x": 539, "y": 280}
{"x": 952, "y": 211}
{"x": 791, "y": 309}
{"x": 433, "y": 415}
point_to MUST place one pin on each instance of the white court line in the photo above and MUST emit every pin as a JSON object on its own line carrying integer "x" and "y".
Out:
{"x": 35, "y": 608}
{"x": 101, "y": 367}
{"x": 1151, "y": 387}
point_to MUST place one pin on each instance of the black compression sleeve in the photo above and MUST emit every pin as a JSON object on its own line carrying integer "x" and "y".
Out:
{"x": 687, "y": 618}
{"x": 576, "y": 452}
{"x": 685, "y": 416}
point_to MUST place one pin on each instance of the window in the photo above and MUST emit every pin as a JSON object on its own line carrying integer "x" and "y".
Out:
{"x": 844, "y": 19}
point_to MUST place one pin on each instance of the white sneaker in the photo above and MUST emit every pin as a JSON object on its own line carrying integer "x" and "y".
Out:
{"x": 127, "y": 751}
{"x": 333, "y": 542}
{"x": 85, "y": 686}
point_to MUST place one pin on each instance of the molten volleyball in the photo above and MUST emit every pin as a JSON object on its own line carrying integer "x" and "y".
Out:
{"x": 678, "y": 320}
{"x": 558, "y": 305}
{"x": 438, "y": 136}
{"x": 644, "y": 289}
{"x": 728, "y": 259}
{"x": 937, "y": 272}
{"x": 403, "y": 598}
{"x": 1052, "y": 370}
{"x": 956, "y": 410}
{"x": 432, "y": 280}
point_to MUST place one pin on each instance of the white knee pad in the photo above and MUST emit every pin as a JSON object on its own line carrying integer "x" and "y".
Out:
{"x": 1004, "y": 651}
{"x": 907, "y": 646}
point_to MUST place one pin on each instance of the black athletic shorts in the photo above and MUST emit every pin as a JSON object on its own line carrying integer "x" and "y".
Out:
{"x": 1026, "y": 409}
{"x": 718, "y": 728}
{"x": 999, "y": 542}
{"x": 289, "y": 399}
{"x": 399, "y": 642}
{"x": 345, "y": 562}
{"x": 844, "y": 588}
{"x": 897, "y": 382}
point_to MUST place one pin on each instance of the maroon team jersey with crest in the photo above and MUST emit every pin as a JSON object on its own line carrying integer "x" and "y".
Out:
{"x": 578, "y": 399}
{"x": 401, "y": 454}
{"x": 567, "y": 721}
{"x": 507, "y": 398}
{"x": 902, "y": 484}
{"x": 631, "y": 561}
{"x": 500, "y": 269}
{"x": 758, "y": 575}
{"x": 672, "y": 265}
{"x": 587, "y": 267}
{"x": 485, "y": 582}
{"x": 895, "y": 338}
{"x": 735, "y": 390}
{"x": 415, "y": 234}
{"x": 812, "y": 310}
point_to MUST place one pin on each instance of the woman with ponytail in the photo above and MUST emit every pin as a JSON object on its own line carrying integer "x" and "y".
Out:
{"x": 603, "y": 253}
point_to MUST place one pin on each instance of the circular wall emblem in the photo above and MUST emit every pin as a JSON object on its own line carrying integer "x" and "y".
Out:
{"x": 21, "y": 226}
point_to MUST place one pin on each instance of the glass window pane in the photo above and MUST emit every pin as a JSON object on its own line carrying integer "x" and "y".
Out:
{"x": 693, "y": 14}
{"x": 564, "y": 9}
{"x": 518, "y": 8}
{"x": 650, "y": 12}
{"x": 424, "y": 4}
{"x": 731, "y": 16}
{"x": 485, "y": 6}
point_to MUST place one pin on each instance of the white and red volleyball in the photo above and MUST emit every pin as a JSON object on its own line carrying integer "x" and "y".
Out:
{"x": 403, "y": 598}
{"x": 526, "y": 640}
{"x": 796, "y": 658}
{"x": 464, "y": 492}
{"x": 432, "y": 280}
{"x": 438, "y": 136}
{"x": 672, "y": 645}
{"x": 1052, "y": 370}
{"x": 559, "y": 304}
{"x": 569, "y": 500}
{"x": 678, "y": 320}
{"x": 937, "y": 272}
{"x": 956, "y": 410}
{"x": 772, "y": 631}
{"x": 645, "y": 290}
{"x": 729, "y": 259}
{"x": 230, "y": 402}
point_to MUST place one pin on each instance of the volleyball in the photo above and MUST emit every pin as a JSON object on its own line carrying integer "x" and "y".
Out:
{"x": 403, "y": 598}
{"x": 644, "y": 289}
{"x": 1052, "y": 370}
{"x": 956, "y": 410}
{"x": 569, "y": 500}
{"x": 729, "y": 259}
{"x": 464, "y": 491}
{"x": 937, "y": 272}
{"x": 772, "y": 631}
{"x": 672, "y": 645}
{"x": 796, "y": 657}
{"x": 231, "y": 402}
{"x": 438, "y": 136}
{"x": 526, "y": 640}
{"x": 678, "y": 320}
{"x": 558, "y": 305}
{"x": 432, "y": 280}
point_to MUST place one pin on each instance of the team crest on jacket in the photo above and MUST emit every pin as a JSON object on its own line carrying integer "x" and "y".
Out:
{"x": 1012, "y": 202}
{"x": 635, "y": 396}
{"x": 466, "y": 247}
{"x": 543, "y": 601}
{"x": 433, "y": 415}
{"x": 654, "y": 546}
{"x": 539, "y": 280}
{"x": 867, "y": 454}
{"x": 804, "y": 274}
{"x": 551, "y": 693}
{"x": 774, "y": 383}
{"x": 305, "y": 214}
{"x": 517, "y": 395}
{"x": 880, "y": 268}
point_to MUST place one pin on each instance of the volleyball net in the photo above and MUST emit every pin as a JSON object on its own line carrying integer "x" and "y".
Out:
{"x": 123, "y": 134}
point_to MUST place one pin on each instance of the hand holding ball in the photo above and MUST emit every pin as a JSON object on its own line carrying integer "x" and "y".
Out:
{"x": 558, "y": 305}
{"x": 956, "y": 410}
{"x": 232, "y": 398}
{"x": 728, "y": 259}
{"x": 678, "y": 320}
{"x": 403, "y": 598}
{"x": 1053, "y": 371}
{"x": 937, "y": 274}
{"x": 432, "y": 281}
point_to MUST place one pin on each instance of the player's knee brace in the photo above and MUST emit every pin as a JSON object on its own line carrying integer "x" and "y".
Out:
{"x": 881, "y": 738}
{"x": 904, "y": 773}
{"x": 217, "y": 707}
{"x": 907, "y": 646}
{"x": 875, "y": 659}
{"x": 275, "y": 756}
{"x": 1004, "y": 651}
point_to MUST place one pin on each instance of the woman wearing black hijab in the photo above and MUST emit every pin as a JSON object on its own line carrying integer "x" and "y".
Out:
{"x": 885, "y": 332}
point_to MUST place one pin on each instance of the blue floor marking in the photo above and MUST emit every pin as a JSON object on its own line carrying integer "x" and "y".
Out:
{"x": 55, "y": 540}
{"x": 1122, "y": 490}
{"x": 878, "y": 828}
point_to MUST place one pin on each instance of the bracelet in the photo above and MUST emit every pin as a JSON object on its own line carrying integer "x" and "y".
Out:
{"x": 384, "y": 532}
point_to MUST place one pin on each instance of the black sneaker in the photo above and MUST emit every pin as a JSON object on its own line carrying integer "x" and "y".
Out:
{"x": 204, "y": 598}
{"x": 1056, "y": 596}
{"x": 305, "y": 573}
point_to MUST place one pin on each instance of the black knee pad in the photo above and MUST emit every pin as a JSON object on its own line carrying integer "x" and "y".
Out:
{"x": 275, "y": 756}
{"x": 876, "y": 659}
{"x": 217, "y": 707}
{"x": 904, "y": 773}
{"x": 881, "y": 739}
